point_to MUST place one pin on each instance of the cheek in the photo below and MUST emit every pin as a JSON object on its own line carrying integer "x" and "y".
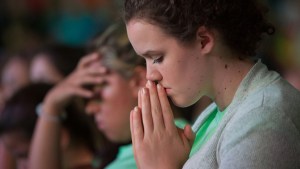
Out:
{"x": 119, "y": 99}
{"x": 109, "y": 94}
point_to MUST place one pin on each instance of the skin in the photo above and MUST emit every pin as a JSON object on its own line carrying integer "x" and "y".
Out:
{"x": 15, "y": 75}
{"x": 7, "y": 159}
{"x": 185, "y": 73}
{"x": 18, "y": 145}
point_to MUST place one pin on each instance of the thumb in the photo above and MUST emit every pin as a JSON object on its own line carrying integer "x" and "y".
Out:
{"x": 189, "y": 134}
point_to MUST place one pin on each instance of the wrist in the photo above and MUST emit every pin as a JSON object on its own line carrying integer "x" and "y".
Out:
{"x": 47, "y": 113}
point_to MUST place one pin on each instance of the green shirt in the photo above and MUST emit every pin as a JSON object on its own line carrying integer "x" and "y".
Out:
{"x": 124, "y": 159}
{"x": 207, "y": 130}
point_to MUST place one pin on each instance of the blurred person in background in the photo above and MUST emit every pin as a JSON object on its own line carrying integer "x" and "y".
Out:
{"x": 54, "y": 62}
{"x": 109, "y": 79}
{"x": 111, "y": 92}
{"x": 77, "y": 143}
{"x": 15, "y": 74}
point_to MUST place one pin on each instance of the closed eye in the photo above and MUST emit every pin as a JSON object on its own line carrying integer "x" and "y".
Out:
{"x": 158, "y": 60}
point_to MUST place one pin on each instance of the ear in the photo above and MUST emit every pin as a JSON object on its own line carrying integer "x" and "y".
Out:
{"x": 206, "y": 39}
{"x": 138, "y": 80}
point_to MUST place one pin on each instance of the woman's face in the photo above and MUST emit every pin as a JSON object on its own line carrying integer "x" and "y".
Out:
{"x": 19, "y": 146}
{"x": 116, "y": 98}
{"x": 42, "y": 70}
{"x": 180, "y": 69}
{"x": 14, "y": 76}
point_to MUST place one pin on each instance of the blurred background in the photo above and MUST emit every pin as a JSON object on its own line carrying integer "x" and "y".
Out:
{"x": 26, "y": 24}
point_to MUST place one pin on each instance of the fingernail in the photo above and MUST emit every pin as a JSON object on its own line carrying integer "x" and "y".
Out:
{"x": 159, "y": 86}
{"x": 136, "y": 109}
{"x": 144, "y": 90}
{"x": 149, "y": 83}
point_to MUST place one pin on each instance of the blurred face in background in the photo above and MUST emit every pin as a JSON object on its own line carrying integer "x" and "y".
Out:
{"x": 111, "y": 107}
{"x": 113, "y": 101}
{"x": 18, "y": 145}
{"x": 15, "y": 74}
{"x": 42, "y": 70}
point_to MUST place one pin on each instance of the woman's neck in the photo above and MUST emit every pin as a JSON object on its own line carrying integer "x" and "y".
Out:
{"x": 231, "y": 71}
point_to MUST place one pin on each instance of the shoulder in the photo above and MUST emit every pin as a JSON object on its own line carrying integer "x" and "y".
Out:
{"x": 276, "y": 102}
{"x": 265, "y": 129}
{"x": 274, "y": 107}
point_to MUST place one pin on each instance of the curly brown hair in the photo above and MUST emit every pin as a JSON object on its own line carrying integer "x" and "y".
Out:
{"x": 241, "y": 23}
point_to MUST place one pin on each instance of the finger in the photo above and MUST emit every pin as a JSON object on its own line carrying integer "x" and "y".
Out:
{"x": 140, "y": 98}
{"x": 81, "y": 92}
{"x": 189, "y": 134}
{"x": 156, "y": 110}
{"x": 90, "y": 81}
{"x": 146, "y": 111}
{"x": 166, "y": 108}
{"x": 86, "y": 60}
{"x": 132, "y": 132}
{"x": 137, "y": 127}
{"x": 93, "y": 71}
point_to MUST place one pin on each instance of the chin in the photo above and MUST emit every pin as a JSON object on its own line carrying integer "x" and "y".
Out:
{"x": 178, "y": 102}
{"x": 182, "y": 102}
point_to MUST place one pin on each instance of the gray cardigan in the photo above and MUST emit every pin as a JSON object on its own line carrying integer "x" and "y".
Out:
{"x": 260, "y": 130}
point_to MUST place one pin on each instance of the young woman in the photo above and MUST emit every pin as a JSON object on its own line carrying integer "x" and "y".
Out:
{"x": 208, "y": 48}
{"x": 18, "y": 120}
{"x": 109, "y": 79}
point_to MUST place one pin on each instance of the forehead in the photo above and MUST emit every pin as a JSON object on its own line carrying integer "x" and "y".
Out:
{"x": 145, "y": 36}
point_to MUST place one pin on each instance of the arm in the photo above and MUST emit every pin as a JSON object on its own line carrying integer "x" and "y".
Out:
{"x": 157, "y": 142}
{"x": 46, "y": 150}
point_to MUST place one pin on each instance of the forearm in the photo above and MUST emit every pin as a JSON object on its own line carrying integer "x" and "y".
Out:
{"x": 45, "y": 148}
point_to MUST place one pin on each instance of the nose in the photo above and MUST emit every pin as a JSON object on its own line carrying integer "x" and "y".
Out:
{"x": 153, "y": 74}
{"x": 92, "y": 107}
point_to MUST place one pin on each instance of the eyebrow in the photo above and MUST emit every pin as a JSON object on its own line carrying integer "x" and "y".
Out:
{"x": 149, "y": 53}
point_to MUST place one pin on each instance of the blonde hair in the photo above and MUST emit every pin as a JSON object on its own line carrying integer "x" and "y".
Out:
{"x": 116, "y": 51}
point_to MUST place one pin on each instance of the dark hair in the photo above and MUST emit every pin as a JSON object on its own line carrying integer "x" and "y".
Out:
{"x": 241, "y": 23}
{"x": 63, "y": 57}
{"x": 19, "y": 115}
{"x": 19, "y": 111}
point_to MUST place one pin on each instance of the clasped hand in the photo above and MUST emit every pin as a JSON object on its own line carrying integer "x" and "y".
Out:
{"x": 157, "y": 142}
